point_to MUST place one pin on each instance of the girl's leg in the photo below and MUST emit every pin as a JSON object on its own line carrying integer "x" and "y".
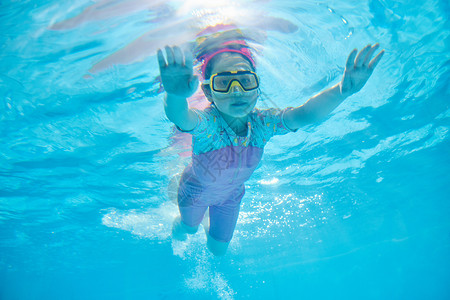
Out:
{"x": 216, "y": 247}
{"x": 191, "y": 210}
{"x": 180, "y": 230}
{"x": 172, "y": 188}
{"x": 223, "y": 219}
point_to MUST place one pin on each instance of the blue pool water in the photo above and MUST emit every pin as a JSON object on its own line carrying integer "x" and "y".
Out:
{"x": 356, "y": 207}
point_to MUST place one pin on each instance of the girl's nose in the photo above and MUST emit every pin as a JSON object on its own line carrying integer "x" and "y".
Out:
{"x": 236, "y": 88}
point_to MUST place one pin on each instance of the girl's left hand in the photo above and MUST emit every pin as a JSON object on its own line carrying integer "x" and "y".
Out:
{"x": 358, "y": 70}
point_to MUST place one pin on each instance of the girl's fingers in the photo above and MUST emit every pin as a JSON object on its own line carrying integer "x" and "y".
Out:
{"x": 351, "y": 59}
{"x": 370, "y": 53}
{"x": 376, "y": 60}
{"x": 161, "y": 60}
{"x": 170, "y": 58}
{"x": 178, "y": 55}
{"x": 360, "y": 58}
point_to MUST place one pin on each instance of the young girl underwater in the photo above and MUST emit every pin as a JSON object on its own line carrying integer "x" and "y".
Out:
{"x": 228, "y": 136}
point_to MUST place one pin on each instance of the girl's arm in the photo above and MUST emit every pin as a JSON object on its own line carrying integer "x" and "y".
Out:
{"x": 178, "y": 112}
{"x": 357, "y": 72}
{"x": 179, "y": 83}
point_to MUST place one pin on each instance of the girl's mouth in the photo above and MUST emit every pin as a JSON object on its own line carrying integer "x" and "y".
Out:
{"x": 239, "y": 104}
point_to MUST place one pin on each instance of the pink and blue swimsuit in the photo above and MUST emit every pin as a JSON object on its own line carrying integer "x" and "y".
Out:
{"x": 221, "y": 163}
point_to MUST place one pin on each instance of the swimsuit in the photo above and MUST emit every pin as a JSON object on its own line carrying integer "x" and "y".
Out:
{"x": 221, "y": 163}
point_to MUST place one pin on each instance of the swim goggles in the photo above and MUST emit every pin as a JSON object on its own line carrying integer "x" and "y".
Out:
{"x": 222, "y": 82}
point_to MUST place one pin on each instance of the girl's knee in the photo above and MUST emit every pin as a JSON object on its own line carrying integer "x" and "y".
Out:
{"x": 216, "y": 247}
{"x": 179, "y": 229}
{"x": 189, "y": 229}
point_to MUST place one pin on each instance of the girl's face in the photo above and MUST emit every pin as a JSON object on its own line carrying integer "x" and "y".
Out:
{"x": 236, "y": 103}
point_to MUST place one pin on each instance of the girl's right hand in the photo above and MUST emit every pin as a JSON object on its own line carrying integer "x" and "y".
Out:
{"x": 177, "y": 73}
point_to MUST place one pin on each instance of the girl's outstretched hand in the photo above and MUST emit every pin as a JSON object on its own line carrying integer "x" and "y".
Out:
{"x": 177, "y": 72}
{"x": 358, "y": 70}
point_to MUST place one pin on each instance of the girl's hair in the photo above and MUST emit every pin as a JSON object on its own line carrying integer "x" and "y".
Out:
{"x": 210, "y": 64}
{"x": 208, "y": 46}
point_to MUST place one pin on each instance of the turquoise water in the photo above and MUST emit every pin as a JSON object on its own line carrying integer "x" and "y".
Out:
{"x": 355, "y": 207}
